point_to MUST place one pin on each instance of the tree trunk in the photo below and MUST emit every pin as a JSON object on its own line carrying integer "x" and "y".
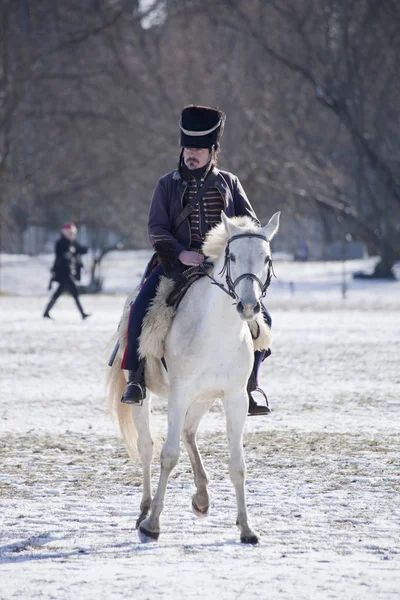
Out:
{"x": 383, "y": 269}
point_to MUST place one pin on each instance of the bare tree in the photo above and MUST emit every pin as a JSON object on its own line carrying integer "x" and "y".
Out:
{"x": 310, "y": 88}
{"x": 344, "y": 56}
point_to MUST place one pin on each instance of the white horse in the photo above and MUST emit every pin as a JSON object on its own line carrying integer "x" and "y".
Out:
{"x": 209, "y": 354}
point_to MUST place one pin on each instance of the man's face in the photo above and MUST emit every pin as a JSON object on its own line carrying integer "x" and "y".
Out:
{"x": 70, "y": 234}
{"x": 195, "y": 158}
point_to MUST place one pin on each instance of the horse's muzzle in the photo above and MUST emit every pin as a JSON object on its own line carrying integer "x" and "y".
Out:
{"x": 248, "y": 311}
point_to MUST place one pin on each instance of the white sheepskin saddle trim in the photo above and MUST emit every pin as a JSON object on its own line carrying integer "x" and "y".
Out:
{"x": 157, "y": 321}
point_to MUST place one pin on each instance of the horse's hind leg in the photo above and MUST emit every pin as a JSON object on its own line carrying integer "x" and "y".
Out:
{"x": 141, "y": 418}
{"x": 201, "y": 499}
{"x": 149, "y": 529}
{"x": 236, "y": 410}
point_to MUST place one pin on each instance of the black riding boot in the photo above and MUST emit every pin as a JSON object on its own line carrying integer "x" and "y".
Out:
{"x": 135, "y": 391}
{"x": 254, "y": 408}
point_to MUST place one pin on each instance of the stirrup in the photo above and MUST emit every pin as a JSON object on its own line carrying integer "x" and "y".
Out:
{"x": 255, "y": 409}
{"x": 258, "y": 389}
{"x": 141, "y": 388}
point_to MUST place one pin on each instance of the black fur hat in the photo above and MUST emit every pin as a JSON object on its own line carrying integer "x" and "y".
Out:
{"x": 201, "y": 126}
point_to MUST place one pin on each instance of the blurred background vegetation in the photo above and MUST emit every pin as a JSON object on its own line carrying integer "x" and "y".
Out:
{"x": 91, "y": 93}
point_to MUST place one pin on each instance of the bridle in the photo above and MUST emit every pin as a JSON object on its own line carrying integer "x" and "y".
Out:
{"x": 226, "y": 270}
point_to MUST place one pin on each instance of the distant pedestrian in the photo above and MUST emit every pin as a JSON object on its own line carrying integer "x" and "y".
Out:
{"x": 67, "y": 268}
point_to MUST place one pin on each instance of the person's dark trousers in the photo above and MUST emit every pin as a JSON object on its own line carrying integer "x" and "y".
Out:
{"x": 66, "y": 285}
{"x": 137, "y": 313}
{"x": 260, "y": 355}
{"x": 252, "y": 384}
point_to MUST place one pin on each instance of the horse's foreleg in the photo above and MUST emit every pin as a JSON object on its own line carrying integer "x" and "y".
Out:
{"x": 149, "y": 529}
{"x": 141, "y": 418}
{"x": 236, "y": 410}
{"x": 201, "y": 499}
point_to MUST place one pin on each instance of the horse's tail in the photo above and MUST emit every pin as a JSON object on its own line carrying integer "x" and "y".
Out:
{"x": 116, "y": 384}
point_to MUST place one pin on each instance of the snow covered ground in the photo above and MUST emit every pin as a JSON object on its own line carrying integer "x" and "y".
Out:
{"x": 323, "y": 475}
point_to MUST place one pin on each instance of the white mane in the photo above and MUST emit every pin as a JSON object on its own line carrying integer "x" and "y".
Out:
{"x": 217, "y": 238}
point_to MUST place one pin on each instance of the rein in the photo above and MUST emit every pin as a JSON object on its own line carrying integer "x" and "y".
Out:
{"x": 231, "y": 285}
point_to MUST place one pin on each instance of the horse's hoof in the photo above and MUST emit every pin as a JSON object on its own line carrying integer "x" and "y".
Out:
{"x": 140, "y": 518}
{"x": 146, "y": 536}
{"x": 249, "y": 539}
{"x": 200, "y": 512}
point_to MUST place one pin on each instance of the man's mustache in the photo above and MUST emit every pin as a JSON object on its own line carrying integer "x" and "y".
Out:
{"x": 191, "y": 158}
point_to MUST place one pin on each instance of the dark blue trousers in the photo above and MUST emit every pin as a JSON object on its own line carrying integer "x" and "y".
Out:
{"x": 138, "y": 310}
{"x": 136, "y": 316}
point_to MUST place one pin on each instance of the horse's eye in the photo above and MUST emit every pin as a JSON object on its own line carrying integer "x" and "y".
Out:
{"x": 233, "y": 258}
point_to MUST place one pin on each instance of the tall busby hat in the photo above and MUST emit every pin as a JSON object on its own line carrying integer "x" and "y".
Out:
{"x": 201, "y": 126}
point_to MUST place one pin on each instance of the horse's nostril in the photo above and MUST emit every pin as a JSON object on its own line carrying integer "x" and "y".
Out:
{"x": 248, "y": 308}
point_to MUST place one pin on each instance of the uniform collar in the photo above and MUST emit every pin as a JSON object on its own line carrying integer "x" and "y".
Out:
{"x": 177, "y": 176}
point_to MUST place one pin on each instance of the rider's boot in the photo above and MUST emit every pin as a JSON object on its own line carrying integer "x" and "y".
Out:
{"x": 135, "y": 391}
{"x": 254, "y": 408}
{"x": 258, "y": 409}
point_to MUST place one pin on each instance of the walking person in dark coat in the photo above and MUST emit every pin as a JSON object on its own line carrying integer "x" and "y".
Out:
{"x": 178, "y": 239}
{"x": 67, "y": 268}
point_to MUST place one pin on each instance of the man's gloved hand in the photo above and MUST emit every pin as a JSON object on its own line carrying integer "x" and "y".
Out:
{"x": 191, "y": 259}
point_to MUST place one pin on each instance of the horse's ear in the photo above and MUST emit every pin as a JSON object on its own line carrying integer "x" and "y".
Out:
{"x": 272, "y": 226}
{"x": 225, "y": 220}
{"x": 230, "y": 225}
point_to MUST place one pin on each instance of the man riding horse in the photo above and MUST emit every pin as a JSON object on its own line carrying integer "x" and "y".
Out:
{"x": 186, "y": 204}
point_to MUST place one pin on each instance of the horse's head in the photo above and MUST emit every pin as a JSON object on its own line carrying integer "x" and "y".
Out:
{"x": 248, "y": 262}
